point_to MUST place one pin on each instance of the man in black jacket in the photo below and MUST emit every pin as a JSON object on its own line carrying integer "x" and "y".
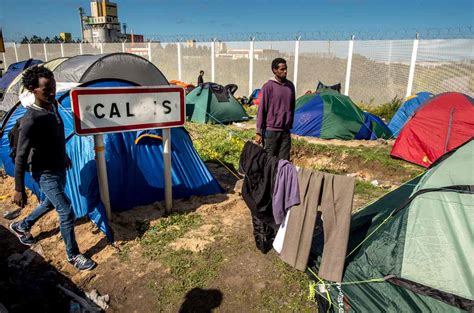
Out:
{"x": 42, "y": 149}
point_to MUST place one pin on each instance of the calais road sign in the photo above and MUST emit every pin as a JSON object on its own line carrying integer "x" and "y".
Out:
{"x": 118, "y": 109}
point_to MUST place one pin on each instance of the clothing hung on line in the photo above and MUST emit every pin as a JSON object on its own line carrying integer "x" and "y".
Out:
{"x": 257, "y": 191}
{"x": 332, "y": 195}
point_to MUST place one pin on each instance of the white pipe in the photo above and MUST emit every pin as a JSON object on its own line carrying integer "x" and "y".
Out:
{"x": 80, "y": 48}
{"x": 16, "y": 52}
{"x": 167, "y": 168}
{"x": 213, "y": 60}
{"x": 297, "y": 57}
{"x": 251, "y": 51}
{"x": 101, "y": 48}
{"x": 29, "y": 50}
{"x": 411, "y": 74}
{"x": 123, "y": 46}
{"x": 45, "y": 52}
{"x": 62, "y": 50}
{"x": 179, "y": 61}
{"x": 102, "y": 172}
{"x": 349, "y": 65}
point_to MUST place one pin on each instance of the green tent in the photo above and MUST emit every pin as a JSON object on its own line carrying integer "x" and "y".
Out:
{"x": 412, "y": 250}
{"x": 212, "y": 103}
{"x": 330, "y": 115}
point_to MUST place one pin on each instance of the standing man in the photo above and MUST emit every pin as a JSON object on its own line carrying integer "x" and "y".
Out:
{"x": 276, "y": 111}
{"x": 200, "y": 78}
{"x": 42, "y": 148}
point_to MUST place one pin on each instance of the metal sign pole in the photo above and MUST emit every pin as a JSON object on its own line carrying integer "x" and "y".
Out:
{"x": 167, "y": 166}
{"x": 102, "y": 173}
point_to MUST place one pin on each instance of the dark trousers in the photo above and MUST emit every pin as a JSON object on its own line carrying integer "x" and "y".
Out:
{"x": 277, "y": 143}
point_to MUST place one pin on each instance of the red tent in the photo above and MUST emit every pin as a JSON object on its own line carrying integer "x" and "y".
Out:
{"x": 439, "y": 125}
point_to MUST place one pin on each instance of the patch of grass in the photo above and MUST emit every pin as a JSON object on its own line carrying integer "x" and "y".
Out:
{"x": 251, "y": 110}
{"x": 123, "y": 255}
{"x": 367, "y": 191}
{"x": 167, "y": 230}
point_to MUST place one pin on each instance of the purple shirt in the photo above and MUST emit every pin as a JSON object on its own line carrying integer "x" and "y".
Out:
{"x": 277, "y": 107}
{"x": 286, "y": 192}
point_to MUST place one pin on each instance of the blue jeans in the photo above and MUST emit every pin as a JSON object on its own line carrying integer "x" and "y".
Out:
{"x": 52, "y": 185}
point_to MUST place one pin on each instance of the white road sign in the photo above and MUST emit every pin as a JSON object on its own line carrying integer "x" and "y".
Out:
{"x": 118, "y": 109}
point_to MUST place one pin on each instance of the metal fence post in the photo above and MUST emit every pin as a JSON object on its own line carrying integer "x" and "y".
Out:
{"x": 101, "y": 48}
{"x": 213, "y": 60}
{"x": 16, "y": 52}
{"x": 5, "y": 65}
{"x": 179, "y": 61}
{"x": 349, "y": 65}
{"x": 411, "y": 74}
{"x": 149, "y": 50}
{"x": 62, "y": 50}
{"x": 123, "y": 46}
{"x": 45, "y": 52}
{"x": 29, "y": 50}
{"x": 251, "y": 52}
{"x": 80, "y": 48}
{"x": 297, "y": 57}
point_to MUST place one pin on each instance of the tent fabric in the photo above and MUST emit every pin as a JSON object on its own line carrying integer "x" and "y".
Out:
{"x": 426, "y": 243}
{"x": 15, "y": 89}
{"x": 406, "y": 110}
{"x": 330, "y": 115}
{"x": 120, "y": 66}
{"x": 211, "y": 103}
{"x": 255, "y": 97}
{"x": 441, "y": 124}
{"x": 14, "y": 70}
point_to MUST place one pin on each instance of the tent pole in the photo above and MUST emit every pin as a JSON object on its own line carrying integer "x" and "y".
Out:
{"x": 102, "y": 172}
{"x": 167, "y": 168}
{"x": 349, "y": 65}
{"x": 251, "y": 52}
{"x": 411, "y": 74}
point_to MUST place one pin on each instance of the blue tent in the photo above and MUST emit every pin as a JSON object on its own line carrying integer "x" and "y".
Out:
{"x": 134, "y": 163}
{"x": 14, "y": 70}
{"x": 374, "y": 129}
{"x": 406, "y": 110}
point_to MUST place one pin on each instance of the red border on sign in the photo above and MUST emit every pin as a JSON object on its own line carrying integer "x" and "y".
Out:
{"x": 76, "y": 92}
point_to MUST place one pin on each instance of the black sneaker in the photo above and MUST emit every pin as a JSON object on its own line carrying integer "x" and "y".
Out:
{"x": 25, "y": 237}
{"x": 82, "y": 263}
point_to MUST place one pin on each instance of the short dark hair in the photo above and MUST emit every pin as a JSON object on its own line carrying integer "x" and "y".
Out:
{"x": 32, "y": 75}
{"x": 201, "y": 72}
{"x": 277, "y": 62}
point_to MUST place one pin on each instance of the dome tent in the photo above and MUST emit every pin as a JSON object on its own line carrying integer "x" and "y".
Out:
{"x": 12, "y": 74}
{"x": 411, "y": 250}
{"x": 406, "y": 110}
{"x": 212, "y": 103}
{"x": 15, "y": 89}
{"x": 439, "y": 125}
{"x": 134, "y": 159}
{"x": 330, "y": 115}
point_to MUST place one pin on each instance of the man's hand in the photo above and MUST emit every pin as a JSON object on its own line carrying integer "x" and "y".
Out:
{"x": 68, "y": 162}
{"x": 20, "y": 198}
{"x": 258, "y": 139}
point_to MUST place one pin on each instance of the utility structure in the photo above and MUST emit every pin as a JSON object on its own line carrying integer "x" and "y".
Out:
{"x": 103, "y": 24}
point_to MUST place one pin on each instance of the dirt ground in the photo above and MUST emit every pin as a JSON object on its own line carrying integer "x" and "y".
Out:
{"x": 201, "y": 259}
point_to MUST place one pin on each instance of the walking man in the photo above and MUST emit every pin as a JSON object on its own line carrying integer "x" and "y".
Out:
{"x": 201, "y": 78}
{"x": 276, "y": 112}
{"x": 42, "y": 148}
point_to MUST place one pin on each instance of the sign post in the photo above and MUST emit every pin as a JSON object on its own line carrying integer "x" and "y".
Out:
{"x": 98, "y": 111}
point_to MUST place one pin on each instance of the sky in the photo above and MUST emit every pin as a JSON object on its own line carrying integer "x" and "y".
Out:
{"x": 20, "y": 18}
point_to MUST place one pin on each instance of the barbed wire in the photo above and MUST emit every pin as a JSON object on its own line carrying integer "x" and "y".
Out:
{"x": 460, "y": 32}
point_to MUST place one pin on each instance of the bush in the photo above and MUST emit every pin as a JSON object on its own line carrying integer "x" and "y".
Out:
{"x": 386, "y": 110}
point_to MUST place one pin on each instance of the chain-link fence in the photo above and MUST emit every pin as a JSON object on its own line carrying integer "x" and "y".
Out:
{"x": 370, "y": 71}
